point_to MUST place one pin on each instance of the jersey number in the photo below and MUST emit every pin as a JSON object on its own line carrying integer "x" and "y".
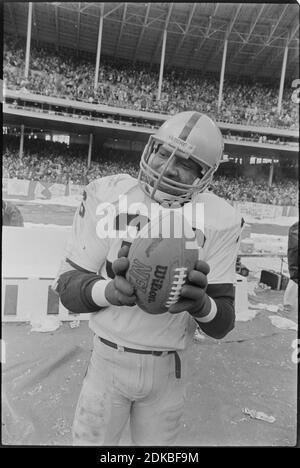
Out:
{"x": 82, "y": 207}
{"x": 82, "y": 210}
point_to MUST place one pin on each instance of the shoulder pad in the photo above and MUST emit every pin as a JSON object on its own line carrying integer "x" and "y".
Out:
{"x": 218, "y": 213}
{"x": 109, "y": 188}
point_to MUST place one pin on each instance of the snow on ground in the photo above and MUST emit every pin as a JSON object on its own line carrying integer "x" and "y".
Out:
{"x": 74, "y": 200}
{"x": 269, "y": 243}
{"x": 263, "y": 243}
{"x": 71, "y": 200}
{"x": 256, "y": 264}
{"x": 280, "y": 220}
{"x": 35, "y": 225}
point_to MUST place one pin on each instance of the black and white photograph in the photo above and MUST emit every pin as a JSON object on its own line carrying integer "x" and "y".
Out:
{"x": 150, "y": 209}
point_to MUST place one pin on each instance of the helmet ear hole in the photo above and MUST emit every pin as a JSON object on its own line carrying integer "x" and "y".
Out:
{"x": 201, "y": 172}
{"x": 157, "y": 146}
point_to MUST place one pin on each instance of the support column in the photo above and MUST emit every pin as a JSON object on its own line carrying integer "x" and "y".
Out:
{"x": 21, "y": 142}
{"x": 28, "y": 41}
{"x": 90, "y": 151}
{"x": 283, "y": 70}
{"x": 271, "y": 174}
{"x": 162, "y": 62}
{"x": 222, "y": 74}
{"x": 99, "y": 46}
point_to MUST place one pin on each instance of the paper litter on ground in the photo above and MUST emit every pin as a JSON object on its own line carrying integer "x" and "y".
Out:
{"x": 261, "y": 306}
{"x": 259, "y": 415}
{"x": 282, "y": 322}
{"x": 75, "y": 324}
{"x": 45, "y": 324}
{"x": 246, "y": 316}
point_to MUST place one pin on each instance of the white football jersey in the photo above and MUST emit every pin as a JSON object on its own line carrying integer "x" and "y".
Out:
{"x": 113, "y": 210}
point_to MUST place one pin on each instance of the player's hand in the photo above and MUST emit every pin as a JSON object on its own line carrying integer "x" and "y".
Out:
{"x": 119, "y": 291}
{"x": 193, "y": 296}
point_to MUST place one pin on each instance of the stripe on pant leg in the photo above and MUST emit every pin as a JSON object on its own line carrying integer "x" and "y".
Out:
{"x": 11, "y": 299}
{"x": 53, "y": 302}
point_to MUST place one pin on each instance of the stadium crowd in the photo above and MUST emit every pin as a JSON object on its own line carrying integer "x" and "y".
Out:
{"x": 124, "y": 84}
{"x": 246, "y": 189}
{"x": 57, "y": 163}
{"x": 258, "y": 138}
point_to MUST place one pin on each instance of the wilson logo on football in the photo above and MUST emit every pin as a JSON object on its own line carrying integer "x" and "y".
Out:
{"x": 140, "y": 273}
{"x": 157, "y": 282}
{"x": 159, "y": 268}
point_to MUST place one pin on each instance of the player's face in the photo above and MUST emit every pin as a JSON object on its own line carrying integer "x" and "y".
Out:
{"x": 181, "y": 170}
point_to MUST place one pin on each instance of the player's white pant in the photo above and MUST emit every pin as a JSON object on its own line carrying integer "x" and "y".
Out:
{"x": 121, "y": 385}
{"x": 290, "y": 299}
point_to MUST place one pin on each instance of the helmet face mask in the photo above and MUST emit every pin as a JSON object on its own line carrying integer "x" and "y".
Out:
{"x": 207, "y": 156}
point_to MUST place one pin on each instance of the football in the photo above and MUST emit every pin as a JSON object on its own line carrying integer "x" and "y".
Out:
{"x": 159, "y": 265}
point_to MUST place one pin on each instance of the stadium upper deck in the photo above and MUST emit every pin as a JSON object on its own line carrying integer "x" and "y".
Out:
{"x": 256, "y": 33}
{"x": 230, "y": 31}
{"x": 54, "y": 74}
{"x": 222, "y": 29}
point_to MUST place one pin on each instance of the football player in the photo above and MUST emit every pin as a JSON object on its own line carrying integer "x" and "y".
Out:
{"x": 138, "y": 367}
{"x": 11, "y": 215}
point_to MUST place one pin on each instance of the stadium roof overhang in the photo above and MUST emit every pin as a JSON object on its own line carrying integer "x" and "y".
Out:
{"x": 262, "y": 151}
{"x": 57, "y": 124}
{"x": 257, "y": 33}
{"x": 113, "y": 131}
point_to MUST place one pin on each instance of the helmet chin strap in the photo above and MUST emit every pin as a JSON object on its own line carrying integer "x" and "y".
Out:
{"x": 165, "y": 199}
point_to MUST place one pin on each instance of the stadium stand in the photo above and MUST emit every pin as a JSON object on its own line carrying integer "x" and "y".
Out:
{"x": 55, "y": 162}
{"x": 65, "y": 75}
{"x": 58, "y": 163}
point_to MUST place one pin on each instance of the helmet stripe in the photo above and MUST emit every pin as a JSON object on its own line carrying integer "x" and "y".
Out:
{"x": 189, "y": 126}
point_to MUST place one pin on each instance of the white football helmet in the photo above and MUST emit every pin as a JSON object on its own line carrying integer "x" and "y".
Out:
{"x": 185, "y": 135}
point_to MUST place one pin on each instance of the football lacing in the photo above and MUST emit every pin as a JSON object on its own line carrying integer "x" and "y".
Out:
{"x": 179, "y": 280}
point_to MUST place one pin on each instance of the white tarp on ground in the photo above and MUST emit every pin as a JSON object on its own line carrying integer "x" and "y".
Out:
{"x": 32, "y": 252}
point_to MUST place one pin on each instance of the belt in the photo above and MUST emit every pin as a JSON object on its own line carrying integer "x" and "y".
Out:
{"x": 143, "y": 351}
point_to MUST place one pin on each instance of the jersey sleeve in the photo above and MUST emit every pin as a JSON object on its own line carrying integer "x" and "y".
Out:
{"x": 221, "y": 253}
{"x": 85, "y": 248}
